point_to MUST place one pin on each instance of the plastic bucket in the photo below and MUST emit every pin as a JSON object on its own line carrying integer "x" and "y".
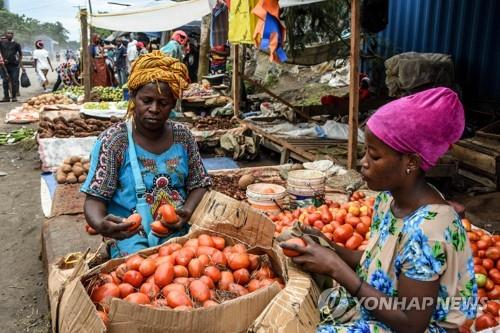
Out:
{"x": 266, "y": 197}
{"x": 306, "y": 187}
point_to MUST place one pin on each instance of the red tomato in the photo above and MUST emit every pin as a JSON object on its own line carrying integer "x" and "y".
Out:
{"x": 205, "y": 240}
{"x": 171, "y": 287}
{"x": 326, "y": 216}
{"x": 182, "y": 280}
{"x": 494, "y": 274}
{"x": 115, "y": 278}
{"x": 151, "y": 290}
{"x": 159, "y": 229}
{"x": 313, "y": 218}
{"x": 354, "y": 242}
{"x": 237, "y": 289}
{"x": 195, "y": 268}
{"x": 480, "y": 269}
{"x": 492, "y": 308}
{"x": 164, "y": 274}
{"x": 184, "y": 256}
{"x": 238, "y": 260}
{"x": 318, "y": 224}
{"x": 473, "y": 237}
{"x": 134, "y": 262}
{"x": 208, "y": 281}
{"x": 485, "y": 321}
{"x": 362, "y": 228}
{"x": 199, "y": 290}
{"x": 134, "y": 278}
{"x": 265, "y": 272}
{"x": 219, "y": 242}
{"x": 241, "y": 276}
{"x": 477, "y": 261}
{"x": 226, "y": 279}
{"x": 254, "y": 261}
{"x": 213, "y": 273}
{"x": 482, "y": 244}
{"x": 147, "y": 267}
{"x": 204, "y": 259}
{"x": 218, "y": 258}
{"x": 253, "y": 285}
{"x": 169, "y": 249}
{"x": 474, "y": 249}
{"x": 136, "y": 220}
{"x": 296, "y": 241}
{"x": 239, "y": 248}
{"x": 481, "y": 293}
{"x": 481, "y": 253}
{"x": 168, "y": 214}
{"x": 125, "y": 289}
{"x": 489, "y": 284}
{"x": 180, "y": 271}
{"x": 137, "y": 298}
{"x": 343, "y": 233}
{"x": 209, "y": 303}
{"x": 352, "y": 220}
{"x": 488, "y": 264}
{"x": 177, "y": 298}
{"x": 493, "y": 253}
{"x": 101, "y": 293}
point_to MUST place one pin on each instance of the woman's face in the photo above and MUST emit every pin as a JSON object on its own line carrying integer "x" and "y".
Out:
{"x": 152, "y": 108}
{"x": 382, "y": 167}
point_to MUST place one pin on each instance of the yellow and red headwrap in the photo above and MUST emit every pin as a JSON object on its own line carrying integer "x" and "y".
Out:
{"x": 156, "y": 67}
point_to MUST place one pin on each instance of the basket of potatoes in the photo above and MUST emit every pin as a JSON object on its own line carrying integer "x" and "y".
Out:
{"x": 73, "y": 170}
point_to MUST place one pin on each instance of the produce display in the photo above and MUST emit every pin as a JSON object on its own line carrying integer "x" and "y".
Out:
{"x": 487, "y": 319}
{"x": 203, "y": 272}
{"x": 17, "y": 135}
{"x": 107, "y": 94}
{"x": 123, "y": 105}
{"x": 34, "y": 103}
{"x": 72, "y": 92}
{"x": 198, "y": 90}
{"x": 76, "y": 127}
{"x": 215, "y": 123}
{"x": 346, "y": 224}
{"x": 229, "y": 186}
{"x": 73, "y": 170}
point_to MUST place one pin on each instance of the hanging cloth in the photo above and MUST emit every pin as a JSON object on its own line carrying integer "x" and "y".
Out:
{"x": 220, "y": 25}
{"x": 241, "y": 21}
{"x": 270, "y": 32}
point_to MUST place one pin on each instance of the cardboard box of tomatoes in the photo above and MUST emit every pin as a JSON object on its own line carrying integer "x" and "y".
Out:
{"x": 86, "y": 304}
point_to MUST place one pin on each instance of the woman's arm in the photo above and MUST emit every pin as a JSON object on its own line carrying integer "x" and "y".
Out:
{"x": 105, "y": 224}
{"x": 321, "y": 260}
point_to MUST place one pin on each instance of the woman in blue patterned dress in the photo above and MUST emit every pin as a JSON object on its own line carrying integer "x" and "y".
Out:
{"x": 145, "y": 162}
{"x": 416, "y": 274}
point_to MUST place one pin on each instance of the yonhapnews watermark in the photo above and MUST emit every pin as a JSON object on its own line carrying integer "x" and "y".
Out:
{"x": 407, "y": 303}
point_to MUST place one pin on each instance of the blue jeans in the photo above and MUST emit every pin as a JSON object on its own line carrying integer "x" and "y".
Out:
{"x": 13, "y": 72}
{"x": 122, "y": 76}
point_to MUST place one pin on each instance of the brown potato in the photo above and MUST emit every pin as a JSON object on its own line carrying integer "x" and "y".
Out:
{"x": 86, "y": 167}
{"x": 67, "y": 161}
{"x": 78, "y": 164}
{"x": 66, "y": 168}
{"x": 82, "y": 178}
{"x": 77, "y": 171}
{"x": 61, "y": 178}
{"x": 75, "y": 159}
{"x": 71, "y": 178}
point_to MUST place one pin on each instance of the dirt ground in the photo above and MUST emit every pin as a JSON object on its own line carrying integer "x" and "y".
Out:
{"x": 23, "y": 297}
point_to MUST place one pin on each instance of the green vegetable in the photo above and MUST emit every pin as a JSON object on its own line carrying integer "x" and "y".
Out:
{"x": 16, "y": 135}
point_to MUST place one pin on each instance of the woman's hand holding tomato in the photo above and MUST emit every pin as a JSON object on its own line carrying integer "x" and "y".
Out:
{"x": 317, "y": 259}
{"x": 116, "y": 227}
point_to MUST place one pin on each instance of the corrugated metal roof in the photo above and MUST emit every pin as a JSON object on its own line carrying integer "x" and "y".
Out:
{"x": 469, "y": 30}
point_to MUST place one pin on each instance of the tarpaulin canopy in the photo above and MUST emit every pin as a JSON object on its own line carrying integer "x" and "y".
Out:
{"x": 163, "y": 17}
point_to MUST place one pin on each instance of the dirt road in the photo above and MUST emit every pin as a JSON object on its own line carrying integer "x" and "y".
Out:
{"x": 23, "y": 298}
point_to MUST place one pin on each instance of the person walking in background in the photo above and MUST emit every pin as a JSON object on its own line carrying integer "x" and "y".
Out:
{"x": 42, "y": 64}
{"x": 132, "y": 53}
{"x": 12, "y": 56}
{"x": 100, "y": 75}
{"x": 141, "y": 49}
{"x": 178, "y": 45}
{"x": 67, "y": 71}
{"x": 121, "y": 62}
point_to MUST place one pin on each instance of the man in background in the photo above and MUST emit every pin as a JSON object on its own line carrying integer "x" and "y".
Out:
{"x": 12, "y": 56}
{"x": 121, "y": 62}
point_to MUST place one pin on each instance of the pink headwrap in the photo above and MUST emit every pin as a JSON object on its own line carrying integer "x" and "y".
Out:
{"x": 426, "y": 123}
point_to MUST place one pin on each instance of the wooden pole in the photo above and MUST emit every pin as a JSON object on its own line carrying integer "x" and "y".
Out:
{"x": 85, "y": 55}
{"x": 235, "y": 85}
{"x": 352, "y": 145}
{"x": 204, "y": 47}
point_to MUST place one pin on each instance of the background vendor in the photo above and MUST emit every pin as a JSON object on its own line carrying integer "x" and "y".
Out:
{"x": 418, "y": 247}
{"x": 170, "y": 164}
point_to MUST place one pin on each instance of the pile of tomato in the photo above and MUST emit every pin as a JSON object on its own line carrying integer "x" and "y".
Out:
{"x": 203, "y": 272}
{"x": 486, "y": 256}
{"x": 346, "y": 224}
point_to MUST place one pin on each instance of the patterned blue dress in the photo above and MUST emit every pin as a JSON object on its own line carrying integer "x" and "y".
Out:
{"x": 168, "y": 177}
{"x": 429, "y": 244}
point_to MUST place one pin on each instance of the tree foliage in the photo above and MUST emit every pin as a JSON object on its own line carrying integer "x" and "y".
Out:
{"x": 26, "y": 28}
{"x": 321, "y": 22}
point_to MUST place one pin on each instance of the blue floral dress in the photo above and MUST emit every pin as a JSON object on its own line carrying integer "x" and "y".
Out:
{"x": 168, "y": 177}
{"x": 429, "y": 244}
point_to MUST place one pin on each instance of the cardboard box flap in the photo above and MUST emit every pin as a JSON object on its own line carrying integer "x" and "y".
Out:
{"x": 77, "y": 313}
{"x": 232, "y": 316}
{"x": 217, "y": 208}
{"x": 294, "y": 309}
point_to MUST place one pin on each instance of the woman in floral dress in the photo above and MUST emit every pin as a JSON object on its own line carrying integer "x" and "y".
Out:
{"x": 145, "y": 160}
{"x": 416, "y": 274}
